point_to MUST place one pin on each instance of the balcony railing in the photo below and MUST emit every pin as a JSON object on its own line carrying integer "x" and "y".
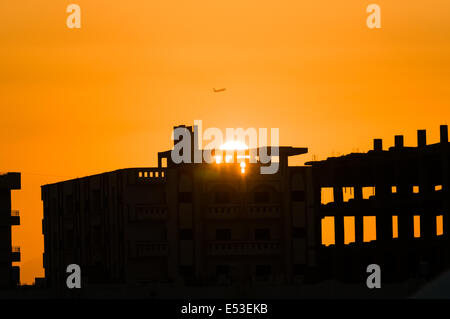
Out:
{"x": 15, "y": 213}
{"x": 244, "y": 212}
{"x": 264, "y": 211}
{"x": 243, "y": 248}
{"x": 151, "y": 249}
{"x": 225, "y": 211}
{"x": 150, "y": 212}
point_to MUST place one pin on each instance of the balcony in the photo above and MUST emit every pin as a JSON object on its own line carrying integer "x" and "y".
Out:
{"x": 243, "y": 248}
{"x": 252, "y": 211}
{"x": 264, "y": 211}
{"x": 225, "y": 211}
{"x": 15, "y": 254}
{"x": 15, "y": 218}
{"x": 150, "y": 212}
{"x": 151, "y": 249}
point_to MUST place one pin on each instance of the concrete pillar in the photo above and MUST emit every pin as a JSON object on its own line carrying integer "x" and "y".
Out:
{"x": 384, "y": 226}
{"x": 339, "y": 230}
{"x": 359, "y": 229}
{"x": 405, "y": 218}
{"x": 358, "y": 193}
{"x": 338, "y": 219}
{"x": 378, "y": 144}
{"x": 421, "y": 138}
{"x": 444, "y": 134}
{"x": 383, "y": 192}
{"x": 338, "y": 195}
{"x": 398, "y": 141}
{"x": 405, "y": 226}
{"x": 427, "y": 225}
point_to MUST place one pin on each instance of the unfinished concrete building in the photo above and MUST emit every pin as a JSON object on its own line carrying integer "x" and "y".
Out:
{"x": 405, "y": 190}
{"x": 9, "y": 273}
{"x": 202, "y": 223}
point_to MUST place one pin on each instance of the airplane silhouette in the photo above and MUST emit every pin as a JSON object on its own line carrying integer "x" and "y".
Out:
{"x": 218, "y": 90}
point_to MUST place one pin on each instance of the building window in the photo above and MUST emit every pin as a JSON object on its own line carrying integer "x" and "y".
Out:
{"x": 185, "y": 197}
{"x": 416, "y": 221}
{"x": 368, "y": 192}
{"x": 262, "y": 234}
{"x": 439, "y": 225}
{"x": 186, "y": 271}
{"x": 223, "y": 234}
{"x": 298, "y": 196}
{"x": 394, "y": 226}
{"x": 263, "y": 271}
{"x": 222, "y": 197}
{"x": 223, "y": 270}
{"x": 326, "y": 195}
{"x": 262, "y": 197}
{"x": 186, "y": 234}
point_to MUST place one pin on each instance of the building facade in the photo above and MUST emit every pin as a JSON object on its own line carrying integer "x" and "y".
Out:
{"x": 9, "y": 274}
{"x": 189, "y": 223}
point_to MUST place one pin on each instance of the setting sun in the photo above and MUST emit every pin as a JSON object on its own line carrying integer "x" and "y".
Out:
{"x": 234, "y": 146}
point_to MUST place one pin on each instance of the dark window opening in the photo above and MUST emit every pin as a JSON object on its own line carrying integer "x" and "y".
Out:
{"x": 223, "y": 197}
{"x": 223, "y": 270}
{"x": 262, "y": 234}
{"x": 299, "y": 269}
{"x": 187, "y": 271}
{"x": 262, "y": 197}
{"x": 263, "y": 271}
{"x": 223, "y": 234}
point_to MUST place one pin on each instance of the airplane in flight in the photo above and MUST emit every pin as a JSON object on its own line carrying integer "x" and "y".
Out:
{"x": 218, "y": 90}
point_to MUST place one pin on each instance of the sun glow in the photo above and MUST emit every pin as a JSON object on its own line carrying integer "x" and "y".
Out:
{"x": 233, "y": 146}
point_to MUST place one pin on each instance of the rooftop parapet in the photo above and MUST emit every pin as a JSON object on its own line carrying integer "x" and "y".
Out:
{"x": 10, "y": 181}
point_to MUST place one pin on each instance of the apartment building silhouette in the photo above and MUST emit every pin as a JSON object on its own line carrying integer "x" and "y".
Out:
{"x": 223, "y": 223}
{"x": 9, "y": 274}
{"x": 189, "y": 223}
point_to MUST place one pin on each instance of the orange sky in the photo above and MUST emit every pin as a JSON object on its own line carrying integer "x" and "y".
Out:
{"x": 77, "y": 102}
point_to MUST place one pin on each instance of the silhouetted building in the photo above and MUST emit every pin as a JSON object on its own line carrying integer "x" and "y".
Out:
{"x": 9, "y": 274}
{"x": 193, "y": 223}
{"x": 406, "y": 192}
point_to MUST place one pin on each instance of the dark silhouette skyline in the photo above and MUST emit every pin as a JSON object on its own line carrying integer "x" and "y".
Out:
{"x": 190, "y": 225}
